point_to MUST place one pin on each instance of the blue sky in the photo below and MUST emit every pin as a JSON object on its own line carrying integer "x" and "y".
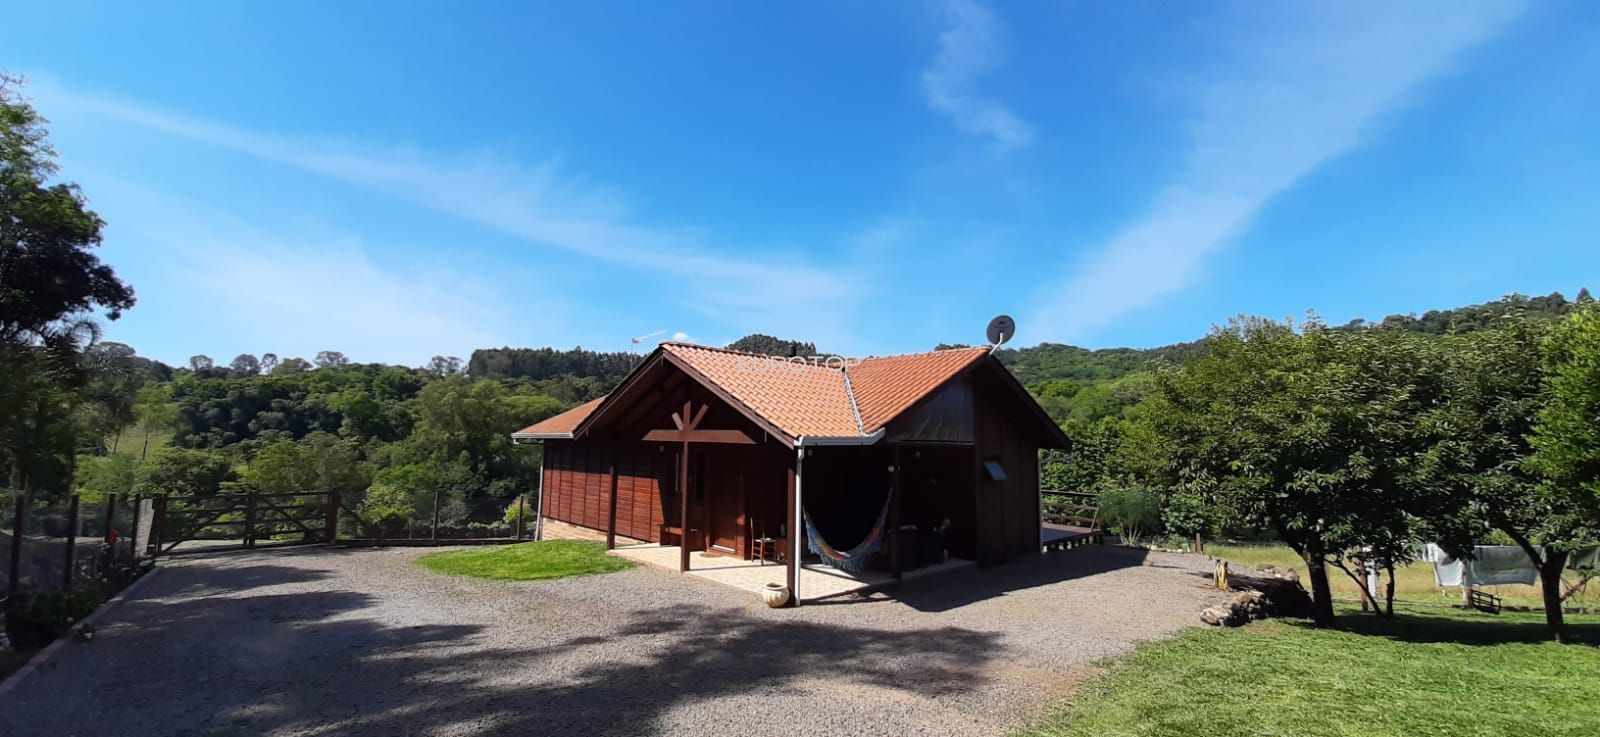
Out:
{"x": 397, "y": 181}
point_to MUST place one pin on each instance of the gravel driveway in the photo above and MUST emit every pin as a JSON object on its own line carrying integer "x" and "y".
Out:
{"x": 322, "y": 641}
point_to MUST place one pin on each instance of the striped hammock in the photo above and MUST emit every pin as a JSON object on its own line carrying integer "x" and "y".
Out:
{"x": 854, "y": 559}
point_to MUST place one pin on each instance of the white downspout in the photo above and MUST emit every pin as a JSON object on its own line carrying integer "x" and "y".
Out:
{"x": 799, "y": 519}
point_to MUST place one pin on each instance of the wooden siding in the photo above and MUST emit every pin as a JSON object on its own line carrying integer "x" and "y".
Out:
{"x": 577, "y": 484}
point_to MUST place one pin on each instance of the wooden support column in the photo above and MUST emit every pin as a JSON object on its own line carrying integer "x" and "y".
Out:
{"x": 896, "y": 565}
{"x": 332, "y": 533}
{"x": 791, "y": 501}
{"x": 611, "y": 519}
{"x": 683, "y": 507}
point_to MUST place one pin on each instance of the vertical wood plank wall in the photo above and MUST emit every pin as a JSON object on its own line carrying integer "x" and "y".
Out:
{"x": 577, "y": 487}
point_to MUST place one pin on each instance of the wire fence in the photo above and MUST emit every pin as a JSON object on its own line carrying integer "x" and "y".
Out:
{"x": 61, "y": 556}
{"x": 439, "y": 518}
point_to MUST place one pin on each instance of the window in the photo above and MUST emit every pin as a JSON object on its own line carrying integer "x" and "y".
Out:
{"x": 992, "y": 467}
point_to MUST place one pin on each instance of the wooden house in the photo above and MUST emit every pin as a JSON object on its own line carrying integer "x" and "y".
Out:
{"x": 732, "y": 453}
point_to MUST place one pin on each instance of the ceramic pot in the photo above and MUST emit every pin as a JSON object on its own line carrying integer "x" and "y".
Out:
{"x": 775, "y": 595}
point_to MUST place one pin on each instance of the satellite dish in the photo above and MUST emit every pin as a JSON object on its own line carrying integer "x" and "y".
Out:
{"x": 1001, "y": 329}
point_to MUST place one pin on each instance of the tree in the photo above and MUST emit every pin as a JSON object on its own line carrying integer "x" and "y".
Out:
{"x": 47, "y": 269}
{"x": 201, "y": 362}
{"x": 155, "y": 412}
{"x": 290, "y": 366}
{"x": 1566, "y": 452}
{"x": 245, "y": 364}
{"x": 767, "y": 345}
{"x": 1312, "y": 433}
{"x": 331, "y": 359}
{"x": 442, "y": 366}
{"x": 50, "y": 281}
{"x": 183, "y": 472}
{"x": 269, "y": 362}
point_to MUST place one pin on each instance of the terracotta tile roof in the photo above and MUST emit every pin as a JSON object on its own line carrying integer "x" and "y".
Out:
{"x": 798, "y": 398}
{"x": 562, "y": 424}
{"x": 803, "y": 398}
{"x": 886, "y": 386}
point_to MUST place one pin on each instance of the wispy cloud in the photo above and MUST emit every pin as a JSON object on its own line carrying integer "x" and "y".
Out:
{"x": 540, "y": 204}
{"x": 1294, "y": 93}
{"x": 972, "y": 44}
{"x": 296, "y": 290}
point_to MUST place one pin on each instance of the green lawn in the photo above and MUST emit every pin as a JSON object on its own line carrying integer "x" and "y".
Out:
{"x": 535, "y": 561}
{"x": 1445, "y": 673}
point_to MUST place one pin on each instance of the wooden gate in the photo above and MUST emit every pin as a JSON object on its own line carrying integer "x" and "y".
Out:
{"x": 244, "y": 519}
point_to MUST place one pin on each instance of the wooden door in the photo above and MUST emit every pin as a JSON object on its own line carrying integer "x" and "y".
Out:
{"x": 725, "y": 502}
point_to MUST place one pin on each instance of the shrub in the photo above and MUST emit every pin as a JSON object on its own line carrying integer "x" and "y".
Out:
{"x": 1132, "y": 513}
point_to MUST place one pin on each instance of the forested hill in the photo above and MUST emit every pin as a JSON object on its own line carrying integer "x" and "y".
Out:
{"x": 1056, "y": 362}
{"x": 1032, "y": 365}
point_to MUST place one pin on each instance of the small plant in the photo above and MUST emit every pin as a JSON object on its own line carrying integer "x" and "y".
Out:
{"x": 1132, "y": 513}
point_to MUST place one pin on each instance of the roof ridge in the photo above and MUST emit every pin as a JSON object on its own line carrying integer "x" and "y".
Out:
{"x": 850, "y": 391}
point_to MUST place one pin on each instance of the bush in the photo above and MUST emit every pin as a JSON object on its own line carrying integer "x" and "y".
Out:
{"x": 1132, "y": 513}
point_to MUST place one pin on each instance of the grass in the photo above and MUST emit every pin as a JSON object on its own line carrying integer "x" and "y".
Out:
{"x": 1424, "y": 673}
{"x": 1412, "y": 583}
{"x": 535, "y": 561}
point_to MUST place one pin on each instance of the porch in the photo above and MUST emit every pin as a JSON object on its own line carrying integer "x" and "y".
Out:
{"x": 817, "y": 581}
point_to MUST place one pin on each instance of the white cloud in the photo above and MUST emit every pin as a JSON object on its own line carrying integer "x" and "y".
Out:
{"x": 972, "y": 44}
{"x": 298, "y": 291}
{"x": 1297, "y": 95}
{"x": 538, "y": 204}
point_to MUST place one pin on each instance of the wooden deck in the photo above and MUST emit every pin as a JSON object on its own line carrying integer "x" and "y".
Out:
{"x": 1060, "y": 537}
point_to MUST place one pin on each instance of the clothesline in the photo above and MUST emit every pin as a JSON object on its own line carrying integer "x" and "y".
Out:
{"x": 1497, "y": 565}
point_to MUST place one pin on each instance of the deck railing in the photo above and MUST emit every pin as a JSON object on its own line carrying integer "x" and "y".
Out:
{"x": 1072, "y": 508}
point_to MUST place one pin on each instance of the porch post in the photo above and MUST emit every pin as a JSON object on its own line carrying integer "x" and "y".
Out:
{"x": 611, "y": 519}
{"x": 895, "y": 564}
{"x": 792, "y": 501}
{"x": 683, "y": 513}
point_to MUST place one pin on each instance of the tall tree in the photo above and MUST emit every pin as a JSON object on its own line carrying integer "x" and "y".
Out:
{"x": 1566, "y": 450}
{"x": 269, "y": 362}
{"x": 1313, "y": 433}
{"x": 331, "y": 359}
{"x": 245, "y": 364}
{"x": 201, "y": 362}
{"x": 50, "y": 281}
{"x": 442, "y": 366}
{"x": 47, "y": 233}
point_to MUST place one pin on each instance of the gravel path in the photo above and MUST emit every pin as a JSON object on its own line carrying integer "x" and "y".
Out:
{"x": 319, "y": 641}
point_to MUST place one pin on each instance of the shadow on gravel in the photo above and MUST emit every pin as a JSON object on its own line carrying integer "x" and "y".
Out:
{"x": 675, "y": 657}
{"x": 308, "y": 662}
{"x": 201, "y": 581}
{"x": 959, "y": 588}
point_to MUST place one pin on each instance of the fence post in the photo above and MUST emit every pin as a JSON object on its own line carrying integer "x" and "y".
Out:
{"x": 18, "y": 520}
{"x": 138, "y": 514}
{"x": 72, "y": 543}
{"x": 522, "y": 500}
{"x": 160, "y": 521}
{"x": 333, "y": 517}
{"x": 111, "y": 516}
{"x": 434, "y": 533}
{"x": 250, "y": 519}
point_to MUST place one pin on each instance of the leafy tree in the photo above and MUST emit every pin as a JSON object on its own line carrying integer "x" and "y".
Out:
{"x": 291, "y": 366}
{"x": 320, "y": 462}
{"x": 245, "y": 364}
{"x": 331, "y": 359}
{"x": 183, "y": 472}
{"x": 47, "y": 232}
{"x": 200, "y": 363}
{"x": 268, "y": 363}
{"x": 100, "y": 476}
{"x": 1566, "y": 452}
{"x": 1311, "y": 433}
{"x": 155, "y": 411}
{"x": 767, "y": 345}
{"x": 442, "y": 366}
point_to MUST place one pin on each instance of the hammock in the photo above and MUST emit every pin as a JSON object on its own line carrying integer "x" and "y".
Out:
{"x": 854, "y": 559}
